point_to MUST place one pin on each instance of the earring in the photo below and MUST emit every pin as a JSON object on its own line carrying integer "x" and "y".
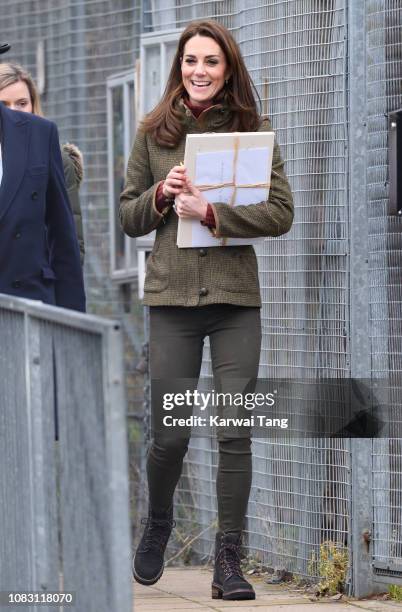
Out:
{"x": 226, "y": 81}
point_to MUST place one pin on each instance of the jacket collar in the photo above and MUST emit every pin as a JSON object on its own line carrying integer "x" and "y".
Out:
{"x": 14, "y": 148}
{"x": 212, "y": 117}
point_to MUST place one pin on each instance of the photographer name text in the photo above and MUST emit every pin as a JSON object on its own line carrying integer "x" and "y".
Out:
{"x": 217, "y": 421}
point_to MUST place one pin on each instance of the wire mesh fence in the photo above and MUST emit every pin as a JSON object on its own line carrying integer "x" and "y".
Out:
{"x": 384, "y": 73}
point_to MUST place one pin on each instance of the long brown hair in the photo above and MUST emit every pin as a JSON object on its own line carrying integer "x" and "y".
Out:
{"x": 164, "y": 122}
{"x": 13, "y": 73}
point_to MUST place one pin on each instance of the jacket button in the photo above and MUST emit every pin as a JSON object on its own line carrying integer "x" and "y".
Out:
{"x": 16, "y": 284}
{"x": 17, "y": 235}
{"x": 202, "y": 252}
{"x": 34, "y": 195}
{"x": 203, "y": 292}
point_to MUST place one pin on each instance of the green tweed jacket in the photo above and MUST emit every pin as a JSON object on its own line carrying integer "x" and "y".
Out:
{"x": 195, "y": 276}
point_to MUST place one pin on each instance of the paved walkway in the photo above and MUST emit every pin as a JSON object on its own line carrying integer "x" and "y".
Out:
{"x": 189, "y": 590}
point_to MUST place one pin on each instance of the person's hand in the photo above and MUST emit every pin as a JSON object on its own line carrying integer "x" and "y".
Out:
{"x": 174, "y": 182}
{"x": 191, "y": 204}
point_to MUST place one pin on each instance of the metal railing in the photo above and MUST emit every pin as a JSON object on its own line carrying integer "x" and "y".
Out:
{"x": 63, "y": 504}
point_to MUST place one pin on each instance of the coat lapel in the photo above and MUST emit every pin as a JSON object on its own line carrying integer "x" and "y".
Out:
{"x": 14, "y": 148}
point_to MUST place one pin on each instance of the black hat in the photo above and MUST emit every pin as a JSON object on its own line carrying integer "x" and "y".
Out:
{"x": 4, "y": 48}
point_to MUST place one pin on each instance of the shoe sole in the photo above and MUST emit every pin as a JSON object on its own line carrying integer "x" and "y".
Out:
{"x": 217, "y": 593}
{"x": 145, "y": 581}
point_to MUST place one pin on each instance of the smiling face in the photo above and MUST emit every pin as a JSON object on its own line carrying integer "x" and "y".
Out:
{"x": 203, "y": 69}
{"x": 17, "y": 97}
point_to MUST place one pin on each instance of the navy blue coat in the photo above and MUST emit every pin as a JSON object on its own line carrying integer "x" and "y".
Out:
{"x": 39, "y": 253}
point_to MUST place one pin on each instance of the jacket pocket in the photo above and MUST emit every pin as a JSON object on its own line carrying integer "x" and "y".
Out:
{"x": 239, "y": 270}
{"x": 157, "y": 276}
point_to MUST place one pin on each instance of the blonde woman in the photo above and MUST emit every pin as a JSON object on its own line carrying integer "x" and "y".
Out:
{"x": 18, "y": 92}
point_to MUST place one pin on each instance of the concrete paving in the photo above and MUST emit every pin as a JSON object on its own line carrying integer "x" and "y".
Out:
{"x": 189, "y": 589}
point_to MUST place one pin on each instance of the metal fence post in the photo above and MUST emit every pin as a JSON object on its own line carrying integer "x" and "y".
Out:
{"x": 359, "y": 293}
{"x": 41, "y": 462}
{"x": 362, "y": 574}
{"x": 116, "y": 444}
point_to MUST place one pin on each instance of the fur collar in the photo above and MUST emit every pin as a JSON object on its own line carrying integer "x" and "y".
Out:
{"x": 76, "y": 157}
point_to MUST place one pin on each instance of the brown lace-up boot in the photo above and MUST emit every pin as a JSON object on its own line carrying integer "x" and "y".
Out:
{"x": 228, "y": 581}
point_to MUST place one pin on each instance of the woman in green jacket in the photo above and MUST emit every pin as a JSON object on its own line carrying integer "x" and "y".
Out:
{"x": 18, "y": 92}
{"x": 199, "y": 292}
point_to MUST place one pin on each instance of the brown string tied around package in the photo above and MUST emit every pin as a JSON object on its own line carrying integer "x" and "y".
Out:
{"x": 232, "y": 183}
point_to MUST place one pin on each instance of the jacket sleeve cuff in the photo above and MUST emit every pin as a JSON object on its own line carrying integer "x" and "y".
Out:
{"x": 212, "y": 215}
{"x": 209, "y": 220}
{"x": 161, "y": 201}
{"x": 160, "y": 204}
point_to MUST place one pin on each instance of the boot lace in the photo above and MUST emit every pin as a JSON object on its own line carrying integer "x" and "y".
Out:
{"x": 156, "y": 534}
{"x": 229, "y": 559}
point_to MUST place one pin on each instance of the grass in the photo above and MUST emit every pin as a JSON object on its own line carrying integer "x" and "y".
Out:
{"x": 332, "y": 566}
{"x": 395, "y": 592}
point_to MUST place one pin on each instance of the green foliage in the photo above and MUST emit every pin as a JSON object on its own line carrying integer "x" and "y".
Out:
{"x": 395, "y": 592}
{"x": 134, "y": 432}
{"x": 331, "y": 566}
